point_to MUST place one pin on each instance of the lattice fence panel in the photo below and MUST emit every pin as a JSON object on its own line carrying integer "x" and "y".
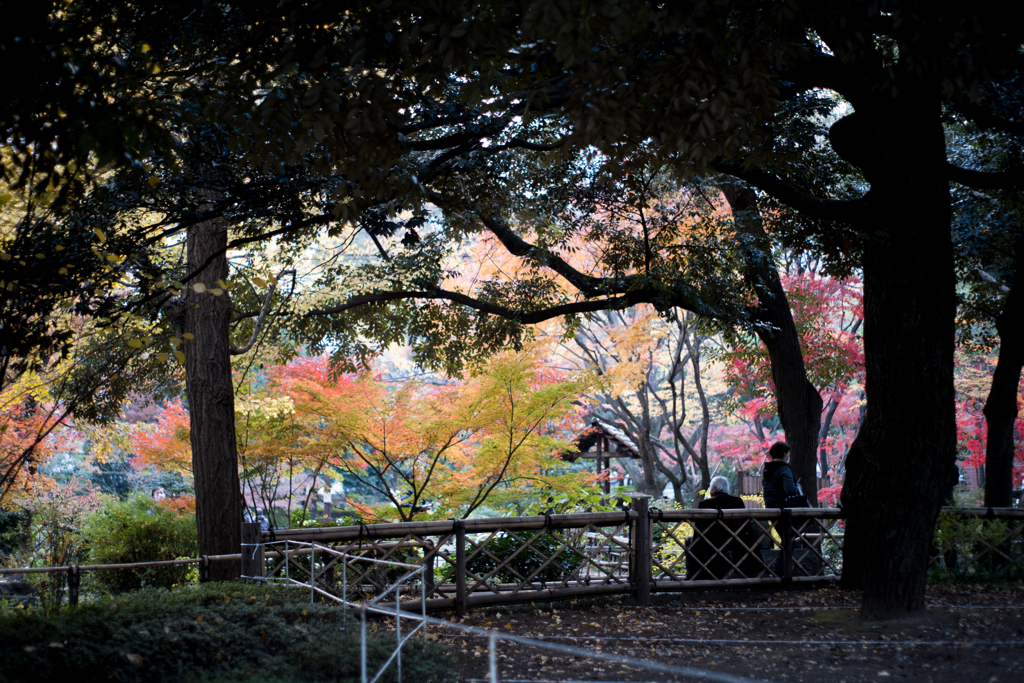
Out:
{"x": 817, "y": 547}
{"x": 711, "y": 549}
{"x": 357, "y": 579}
{"x": 514, "y": 560}
{"x": 975, "y": 548}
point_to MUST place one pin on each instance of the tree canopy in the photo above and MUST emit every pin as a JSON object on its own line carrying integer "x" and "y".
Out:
{"x": 421, "y": 126}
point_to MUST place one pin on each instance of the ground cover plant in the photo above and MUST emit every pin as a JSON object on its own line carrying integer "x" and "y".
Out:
{"x": 211, "y": 632}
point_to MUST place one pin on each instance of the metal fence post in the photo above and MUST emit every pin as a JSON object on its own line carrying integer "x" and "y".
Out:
{"x": 640, "y": 539}
{"x": 460, "y": 568}
{"x": 252, "y": 550}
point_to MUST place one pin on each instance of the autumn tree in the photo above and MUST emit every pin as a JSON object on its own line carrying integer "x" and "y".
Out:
{"x": 490, "y": 439}
{"x": 827, "y": 315}
{"x": 648, "y": 363}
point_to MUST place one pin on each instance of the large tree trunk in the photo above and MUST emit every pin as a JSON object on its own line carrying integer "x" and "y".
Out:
{"x": 211, "y": 399}
{"x": 906, "y": 445}
{"x": 799, "y": 403}
{"x": 1001, "y": 406}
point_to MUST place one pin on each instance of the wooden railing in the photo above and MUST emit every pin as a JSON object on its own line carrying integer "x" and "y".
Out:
{"x": 636, "y": 552}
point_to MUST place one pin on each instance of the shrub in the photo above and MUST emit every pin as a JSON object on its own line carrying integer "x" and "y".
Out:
{"x": 140, "y": 530}
{"x": 213, "y": 632}
{"x": 544, "y": 545}
{"x": 974, "y": 549}
{"x": 14, "y": 526}
{"x": 54, "y": 540}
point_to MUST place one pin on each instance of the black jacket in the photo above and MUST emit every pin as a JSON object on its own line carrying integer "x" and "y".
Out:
{"x": 778, "y": 483}
{"x": 714, "y": 551}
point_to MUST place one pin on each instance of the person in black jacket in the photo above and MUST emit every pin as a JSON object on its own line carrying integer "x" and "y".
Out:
{"x": 777, "y": 480}
{"x": 778, "y": 485}
{"x": 714, "y": 535}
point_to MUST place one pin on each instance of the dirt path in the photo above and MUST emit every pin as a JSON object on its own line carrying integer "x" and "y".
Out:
{"x": 967, "y": 636}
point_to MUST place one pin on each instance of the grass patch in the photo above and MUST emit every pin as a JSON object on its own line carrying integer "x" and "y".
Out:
{"x": 211, "y": 632}
{"x": 846, "y": 619}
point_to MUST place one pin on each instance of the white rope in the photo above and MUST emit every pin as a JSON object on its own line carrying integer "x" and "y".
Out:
{"x": 722, "y": 641}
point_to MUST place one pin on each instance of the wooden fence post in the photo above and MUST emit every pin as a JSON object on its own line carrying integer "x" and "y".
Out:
{"x": 252, "y": 551}
{"x": 640, "y": 539}
{"x": 204, "y": 569}
{"x": 428, "y": 567}
{"x": 74, "y": 581}
{"x": 460, "y": 568}
{"x": 787, "y": 546}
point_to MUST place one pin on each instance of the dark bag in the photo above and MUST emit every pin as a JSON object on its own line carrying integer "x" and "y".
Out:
{"x": 797, "y": 501}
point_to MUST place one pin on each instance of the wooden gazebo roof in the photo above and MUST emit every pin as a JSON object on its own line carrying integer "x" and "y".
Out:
{"x": 619, "y": 445}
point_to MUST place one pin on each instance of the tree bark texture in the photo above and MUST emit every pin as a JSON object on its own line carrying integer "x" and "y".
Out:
{"x": 902, "y": 455}
{"x": 211, "y": 399}
{"x": 799, "y": 403}
{"x": 1001, "y": 405}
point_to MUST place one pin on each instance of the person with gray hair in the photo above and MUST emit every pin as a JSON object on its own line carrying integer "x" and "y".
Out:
{"x": 714, "y": 550}
{"x": 719, "y": 484}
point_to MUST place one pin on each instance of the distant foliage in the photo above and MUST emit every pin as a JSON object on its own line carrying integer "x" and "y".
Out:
{"x": 57, "y": 517}
{"x": 140, "y": 530}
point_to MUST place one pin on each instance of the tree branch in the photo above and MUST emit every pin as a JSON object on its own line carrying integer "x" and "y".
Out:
{"x": 526, "y": 318}
{"x": 586, "y": 284}
{"x": 236, "y": 351}
{"x": 845, "y": 210}
{"x": 991, "y": 181}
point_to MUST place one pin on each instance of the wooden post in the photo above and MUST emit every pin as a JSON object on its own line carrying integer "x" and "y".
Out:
{"x": 601, "y": 446}
{"x": 640, "y": 540}
{"x": 252, "y": 551}
{"x": 428, "y": 567}
{"x": 460, "y": 568}
{"x": 204, "y": 569}
{"x": 74, "y": 581}
{"x": 787, "y": 546}
{"x": 327, "y": 510}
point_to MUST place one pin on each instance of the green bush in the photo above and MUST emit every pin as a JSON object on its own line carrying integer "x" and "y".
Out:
{"x": 973, "y": 549}
{"x": 14, "y": 525}
{"x": 544, "y": 545}
{"x": 140, "y": 530}
{"x": 213, "y": 632}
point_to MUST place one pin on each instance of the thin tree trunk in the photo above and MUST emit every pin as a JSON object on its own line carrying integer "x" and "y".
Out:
{"x": 211, "y": 399}
{"x": 907, "y": 441}
{"x": 826, "y": 423}
{"x": 799, "y": 403}
{"x": 1001, "y": 406}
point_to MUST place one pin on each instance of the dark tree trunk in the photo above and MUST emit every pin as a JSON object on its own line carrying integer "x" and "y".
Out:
{"x": 906, "y": 445}
{"x": 1001, "y": 406}
{"x": 799, "y": 403}
{"x": 211, "y": 400}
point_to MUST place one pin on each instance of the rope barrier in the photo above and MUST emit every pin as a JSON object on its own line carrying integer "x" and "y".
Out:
{"x": 578, "y": 652}
{"x": 724, "y": 641}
